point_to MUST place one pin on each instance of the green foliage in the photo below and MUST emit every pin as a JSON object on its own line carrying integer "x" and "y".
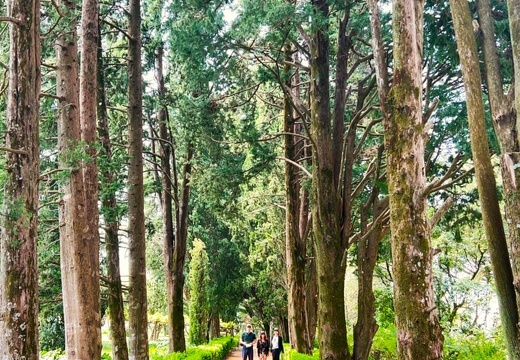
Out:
{"x": 52, "y": 333}
{"x": 294, "y": 355}
{"x": 216, "y": 349}
{"x": 477, "y": 346}
{"x": 198, "y": 283}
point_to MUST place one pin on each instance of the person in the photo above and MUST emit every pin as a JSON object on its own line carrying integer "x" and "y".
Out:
{"x": 247, "y": 340}
{"x": 262, "y": 346}
{"x": 276, "y": 345}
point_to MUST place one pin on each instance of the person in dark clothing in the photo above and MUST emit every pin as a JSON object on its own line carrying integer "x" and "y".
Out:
{"x": 262, "y": 345}
{"x": 247, "y": 340}
{"x": 276, "y": 345}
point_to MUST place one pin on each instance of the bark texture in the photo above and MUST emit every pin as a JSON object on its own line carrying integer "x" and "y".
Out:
{"x": 419, "y": 331}
{"x": 504, "y": 115}
{"x": 486, "y": 185}
{"x": 178, "y": 338}
{"x": 80, "y": 295}
{"x": 296, "y": 220}
{"x": 109, "y": 210}
{"x": 18, "y": 236}
{"x": 326, "y": 222}
{"x": 137, "y": 302}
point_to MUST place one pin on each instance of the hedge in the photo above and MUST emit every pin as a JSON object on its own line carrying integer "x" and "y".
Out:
{"x": 216, "y": 349}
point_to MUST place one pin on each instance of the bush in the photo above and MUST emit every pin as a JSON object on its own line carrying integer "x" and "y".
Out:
{"x": 216, "y": 349}
{"x": 52, "y": 333}
{"x": 293, "y": 355}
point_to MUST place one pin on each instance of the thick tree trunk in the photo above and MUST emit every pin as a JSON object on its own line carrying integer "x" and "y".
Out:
{"x": 330, "y": 262}
{"x": 295, "y": 237}
{"x": 419, "y": 331}
{"x": 80, "y": 307}
{"x": 486, "y": 184}
{"x": 18, "y": 238}
{"x": 109, "y": 210}
{"x": 179, "y": 255}
{"x": 137, "y": 302}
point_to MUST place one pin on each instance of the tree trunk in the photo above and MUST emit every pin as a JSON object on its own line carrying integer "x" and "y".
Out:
{"x": 295, "y": 236}
{"x": 19, "y": 236}
{"x": 88, "y": 120}
{"x": 484, "y": 174}
{"x": 419, "y": 331}
{"x": 330, "y": 264}
{"x": 179, "y": 257}
{"x": 80, "y": 307}
{"x": 137, "y": 302}
{"x": 167, "y": 191}
{"x": 504, "y": 115}
{"x": 214, "y": 326}
{"x": 368, "y": 246}
{"x": 109, "y": 210}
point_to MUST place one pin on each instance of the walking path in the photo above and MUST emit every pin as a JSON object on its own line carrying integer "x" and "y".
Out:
{"x": 234, "y": 354}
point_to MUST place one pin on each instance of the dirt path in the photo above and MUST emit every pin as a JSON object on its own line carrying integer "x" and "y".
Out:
{"x": 234, "y": 354}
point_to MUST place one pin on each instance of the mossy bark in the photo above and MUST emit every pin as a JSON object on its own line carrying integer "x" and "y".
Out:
{"x": 137, "y": 301}
{"x": 330, "y": 264}
{"x": 485, "y": 178}
{"x": 419, "y": 331}
{"x": 18, "y": 236}
{"x": 504, "y": 112}
{"x": 109, "y": 210}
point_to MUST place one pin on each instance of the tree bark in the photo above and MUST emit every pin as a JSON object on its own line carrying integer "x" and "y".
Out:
{"x": 109, "y": 210}
{"x": 88, "y": 120}
{"x": 368, "y": 246}
{"x": 137, "y": 302}
{"x": 419, "y": 331}
{"x": 81, "y": 311}
{"x": 179, "y": 257}
{"x": 504, "y": 115}
{"x": 19, "y": 235}
{"x": 167, "y": 191}
{"x": 330, "y": 262}
{"x": 484, "y": 174}
{"x": 295, "y": 238}
{"x": 214, "y": 326}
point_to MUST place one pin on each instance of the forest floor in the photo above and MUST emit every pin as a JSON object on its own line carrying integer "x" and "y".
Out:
{"x": 234, "y": 354}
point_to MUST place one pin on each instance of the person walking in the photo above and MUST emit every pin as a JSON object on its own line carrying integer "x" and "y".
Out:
{"x": 262, "y": 345}
{"x": 276, "y": 345}
{"x": 247, "y": 340}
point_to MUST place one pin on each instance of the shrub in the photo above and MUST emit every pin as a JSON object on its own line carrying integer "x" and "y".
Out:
{"x": 216, "y": 349}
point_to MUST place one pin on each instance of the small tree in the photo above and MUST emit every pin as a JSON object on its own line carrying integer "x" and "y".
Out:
{"x": 198, "y": 283}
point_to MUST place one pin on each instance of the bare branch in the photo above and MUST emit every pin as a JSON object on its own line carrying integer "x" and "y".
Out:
{"x": 297, "y": 165}
{"x": 15, "y": 151}
{"x": 437, "y": 216}
{"x": 10, "y": 19}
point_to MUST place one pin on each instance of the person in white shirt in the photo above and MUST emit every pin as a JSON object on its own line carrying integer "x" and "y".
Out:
{"x": 276, "y": 345}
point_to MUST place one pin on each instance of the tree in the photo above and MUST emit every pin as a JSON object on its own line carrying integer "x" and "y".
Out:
{"x": 18, "y": 238}
{"x": 419, "y": 332}
{"x": 109, "y": 209}
{"x": 198, "y": 285}
{"x": 137, "y": 307}
{"x": 77, "y": 247}
{"x": 504, "y": 112}
{"x": 486, "y": 184}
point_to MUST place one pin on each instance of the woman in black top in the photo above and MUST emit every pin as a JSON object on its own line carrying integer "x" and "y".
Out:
{"x": 262, "y": 346}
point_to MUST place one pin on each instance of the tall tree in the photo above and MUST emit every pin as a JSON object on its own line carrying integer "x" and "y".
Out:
{"x": 110, "y": 215}
{"x": 137, "y": 306}
{"x": 330, "y": 260}
{"x": 81, "y": 309}
{"x": 18, "y": 236}
{"x": 486, "y": 184}
{"x": 504, "y": 112}
{"x": 297, "y": 223}
{"x": 419, "y": 331}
